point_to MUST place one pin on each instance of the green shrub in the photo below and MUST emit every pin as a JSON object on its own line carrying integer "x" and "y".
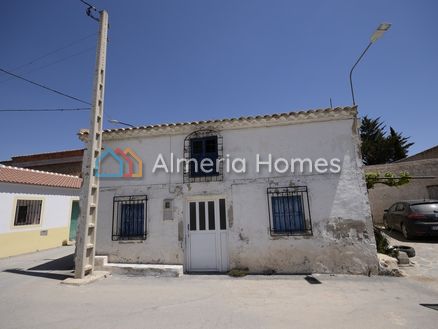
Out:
{"x": 382, "y": 243}
{"x": 238, "y": 272}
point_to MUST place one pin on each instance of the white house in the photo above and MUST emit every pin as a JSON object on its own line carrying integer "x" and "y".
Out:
{"x": 287, "y": 195}
{"x": 36, "y": 209}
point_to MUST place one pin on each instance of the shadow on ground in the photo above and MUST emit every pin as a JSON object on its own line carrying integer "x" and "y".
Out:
{"x": 398, "y": 236}
{"x": 56, "y": 269}
{"x": 61, "y": 264}
{"x": 47, "y": 275}
{"x": 431, "y": 306}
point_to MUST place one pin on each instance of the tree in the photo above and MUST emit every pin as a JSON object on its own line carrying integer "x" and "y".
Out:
{"x": 372, "y": 133}
{"x": 379, "y": 147}
{"x": 397, "y": 145}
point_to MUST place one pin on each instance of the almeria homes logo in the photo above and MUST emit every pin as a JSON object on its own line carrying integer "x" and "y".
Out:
{"x": 128, "y": 163}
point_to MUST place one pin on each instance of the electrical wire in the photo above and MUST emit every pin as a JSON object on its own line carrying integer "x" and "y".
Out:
{"x": 46, "y": 110}
{"x": 52, "y": 63}
{"x": 53, "y": 52}
{"x": 44, "y": 87}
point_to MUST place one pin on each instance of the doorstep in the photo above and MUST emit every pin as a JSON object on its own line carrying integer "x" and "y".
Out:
{"x": 157, "y": 270}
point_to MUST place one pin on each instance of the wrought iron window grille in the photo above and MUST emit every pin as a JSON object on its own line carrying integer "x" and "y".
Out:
{"x": 289, "y": 211}
{"x": 205, "y": 143}
{"x": 129, "y": 218}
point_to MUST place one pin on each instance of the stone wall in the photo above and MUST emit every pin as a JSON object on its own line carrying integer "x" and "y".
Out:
{"x": 382, "y": 196}
{"x": 62, "y": 162}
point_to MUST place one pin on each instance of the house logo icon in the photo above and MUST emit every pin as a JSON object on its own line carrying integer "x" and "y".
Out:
{"x": 128, "y": 163}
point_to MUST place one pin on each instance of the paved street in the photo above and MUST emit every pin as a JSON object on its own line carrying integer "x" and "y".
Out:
{"x": 425, "y": 269}
{"x": 32, "y": 297}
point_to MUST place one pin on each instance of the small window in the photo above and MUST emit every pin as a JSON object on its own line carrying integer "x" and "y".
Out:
{"x": 433, "y": 191}
{"x": 129, "y": 218}
{"x": 202, "y": 150}
{"x": 400, "y": 207}
{"x": 28, "y": 212}
{"x": 197, "y": 146}
{"x": 222, "y": 220}
{"x": 192, "y": 216}
{"x": 289, "y": 211}
{"x": 211, "y": 145}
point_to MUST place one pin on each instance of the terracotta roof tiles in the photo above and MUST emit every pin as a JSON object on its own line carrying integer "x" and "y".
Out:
{"x": 34, "y": 177}
{"x": 318, "y": 114}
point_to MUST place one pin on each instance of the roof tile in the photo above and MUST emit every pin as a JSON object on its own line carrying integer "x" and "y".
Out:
{"x": 36, "y": 177}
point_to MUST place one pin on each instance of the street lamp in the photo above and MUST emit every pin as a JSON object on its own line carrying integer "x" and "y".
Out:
{"x": 120, "y": 123}
{"x": 382, "y": 28}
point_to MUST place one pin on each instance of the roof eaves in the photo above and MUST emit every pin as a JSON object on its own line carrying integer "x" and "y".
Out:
{"x": 299, "y": 115}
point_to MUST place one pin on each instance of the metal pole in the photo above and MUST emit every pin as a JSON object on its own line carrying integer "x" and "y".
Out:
{"x": 351, "y": 71}
{"x": 86, "y": 234}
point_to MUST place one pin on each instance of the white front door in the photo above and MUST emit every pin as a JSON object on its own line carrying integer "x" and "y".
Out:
{"x": 207, "y": 235}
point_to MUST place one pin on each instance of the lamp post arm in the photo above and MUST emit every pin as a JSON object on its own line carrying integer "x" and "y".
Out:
{"x": 126, "y": 124}
{"x": 117, "y": 122}
{"x": 352, "y": 69}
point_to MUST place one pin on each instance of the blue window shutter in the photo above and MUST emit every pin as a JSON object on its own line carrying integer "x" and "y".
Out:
{"x": 204, "y": 148}
{"x": 278, "y": 214}
{"x": 132, "y": 220}
{"x": 287, "y": 213}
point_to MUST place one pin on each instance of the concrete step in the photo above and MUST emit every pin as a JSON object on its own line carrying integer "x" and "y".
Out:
{"x": 101, "y": 263}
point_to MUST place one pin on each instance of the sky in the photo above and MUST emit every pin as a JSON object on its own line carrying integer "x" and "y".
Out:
{"x": 174, "y": 61}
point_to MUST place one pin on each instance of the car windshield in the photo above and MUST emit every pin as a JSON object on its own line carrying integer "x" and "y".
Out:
{"x": 425, "y": 207}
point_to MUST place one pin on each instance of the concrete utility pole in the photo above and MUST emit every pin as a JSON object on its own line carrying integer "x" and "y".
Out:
{"x": 86, "y": 234}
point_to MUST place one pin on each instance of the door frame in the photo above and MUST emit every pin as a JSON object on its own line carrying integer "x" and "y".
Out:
{"x": 71, "y": 201}
{"x": 221, "y": 235}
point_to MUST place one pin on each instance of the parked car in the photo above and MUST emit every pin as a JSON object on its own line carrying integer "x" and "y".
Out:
{"x": 413, "y": 218}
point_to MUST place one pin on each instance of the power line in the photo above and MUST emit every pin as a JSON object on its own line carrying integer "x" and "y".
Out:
{"x": 44, "y": 87}
{"x": 90, "y": 10}
{"x": 53, "y": 52}
{"x": 53, "y": 63}
{"x": 46, "y": 110}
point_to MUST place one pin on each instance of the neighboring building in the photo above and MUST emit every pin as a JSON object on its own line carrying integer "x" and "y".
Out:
{"x": 431, "y": 153}
{"x": 422, "y": 166}
{"x": 267, "y": 221}
{"x": 38, "y": 210}
{"x": 63, "y": 162}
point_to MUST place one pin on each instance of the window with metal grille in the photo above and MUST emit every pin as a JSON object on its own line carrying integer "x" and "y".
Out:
{"x": 203, "y": 145}
{"x": 28, "y": 212}
{"x": 289, "y": 211}
{"x": 129, "y": 217}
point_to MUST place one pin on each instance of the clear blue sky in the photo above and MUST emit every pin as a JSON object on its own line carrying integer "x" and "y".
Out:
{"x": 173, "y": 60}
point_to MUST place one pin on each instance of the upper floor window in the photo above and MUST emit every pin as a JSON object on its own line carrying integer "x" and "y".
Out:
{"x": 203, "y": 151}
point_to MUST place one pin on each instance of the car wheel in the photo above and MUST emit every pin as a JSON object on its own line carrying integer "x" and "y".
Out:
{"x": 385, "y": 223}
{"x": 405, "y": 232}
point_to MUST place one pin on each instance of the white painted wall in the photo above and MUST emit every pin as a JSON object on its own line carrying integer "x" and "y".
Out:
{"x": 342, "y": 241}
{"x": 56, "y": 206}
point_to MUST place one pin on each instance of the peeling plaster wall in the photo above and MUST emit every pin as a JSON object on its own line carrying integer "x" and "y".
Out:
{"x": 342, "y": 240}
